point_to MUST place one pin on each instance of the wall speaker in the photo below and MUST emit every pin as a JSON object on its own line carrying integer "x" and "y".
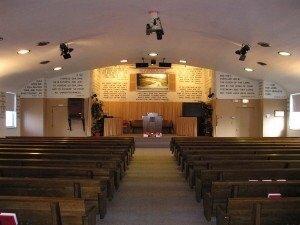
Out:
{"x": 142, "y": 65}
{"x": 165, "y": 65}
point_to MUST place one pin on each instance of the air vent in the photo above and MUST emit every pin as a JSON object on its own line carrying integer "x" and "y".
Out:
{"x": 262, "y": 63}
{"x": 42, "y": 43}
{"x": 264, "y": 44}
{"x": 44, "y": 62}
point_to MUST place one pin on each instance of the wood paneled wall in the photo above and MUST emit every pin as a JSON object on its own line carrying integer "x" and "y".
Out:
{"x": 135, "y": 110}
{"x": 187, "y": 126}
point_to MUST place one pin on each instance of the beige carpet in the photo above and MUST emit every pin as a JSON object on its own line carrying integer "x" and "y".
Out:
{"x": 154, "y": 192}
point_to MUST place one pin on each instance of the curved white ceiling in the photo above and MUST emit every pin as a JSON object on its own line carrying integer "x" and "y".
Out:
{"x": 103, "y": 32}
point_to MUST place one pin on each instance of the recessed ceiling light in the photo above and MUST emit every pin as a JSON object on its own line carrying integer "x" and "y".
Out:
{"x": 264, "y": 44}
{"x": 182, "y": 61}
{"x": 23, "y": 51}
{"x": 42, "y": 43}
{"x": 44, "y": 62}
{"x": 124, "y": 61}
{"x": 262, "y": 63}
{"x": 153, "y": 54}
{"x": 57, "y": 68}
{"x": 283, "y": 53}
{"x": 248, "y": 69}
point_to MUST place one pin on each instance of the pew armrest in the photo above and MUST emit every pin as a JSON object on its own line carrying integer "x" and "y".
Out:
{"x": 208, "y": 206}
{"x": 222, "y": 217}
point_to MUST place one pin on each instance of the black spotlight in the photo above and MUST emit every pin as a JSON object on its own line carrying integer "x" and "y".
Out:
{"x": 65, "y": 51}
{"x": 243, "y": 52}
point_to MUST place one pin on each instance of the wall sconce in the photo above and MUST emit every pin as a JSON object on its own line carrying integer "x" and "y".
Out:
{"x": 278, "y": 113}
{"x": 245, "y": 101}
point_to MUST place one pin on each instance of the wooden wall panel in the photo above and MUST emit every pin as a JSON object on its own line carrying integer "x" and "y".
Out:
{"x": 133, "y": 82}
{"x": 172, "y": 82}
{"x": 186, "y": 126}
{"x": 135, "y": 110}
{"x": 113, "y": 127}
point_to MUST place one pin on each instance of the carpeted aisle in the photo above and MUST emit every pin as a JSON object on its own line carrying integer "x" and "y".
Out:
{"x": 154, "y": 192}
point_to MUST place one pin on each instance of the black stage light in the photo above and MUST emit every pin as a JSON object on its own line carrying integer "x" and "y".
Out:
{"x": 243, "y": 52}
{"x": 155, "y": 25}
{"x": 142, "y": 65}
{"x": 164, "y": 64}
{"x": 65, "y": 51}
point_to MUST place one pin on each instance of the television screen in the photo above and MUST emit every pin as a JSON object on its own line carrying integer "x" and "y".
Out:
{"x": 152, "y": 81}
{"x": 192, "y": 109}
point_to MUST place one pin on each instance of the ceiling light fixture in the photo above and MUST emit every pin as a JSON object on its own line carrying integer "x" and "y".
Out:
{"x": 183, "y": 61}
{"x": 57, "y": 68}
{"x": 23, "y": 51}
{"x": 283, "y": 53}
{"x": 124, "y": 61}
{"x": 248, "y": 69}
{"x": 153, "y": 54}
{"x": 243, "y": 52}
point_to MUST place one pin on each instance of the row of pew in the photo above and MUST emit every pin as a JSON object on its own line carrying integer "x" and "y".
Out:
{"x": 61, "y": 181}
{"x": 243, "y": 181}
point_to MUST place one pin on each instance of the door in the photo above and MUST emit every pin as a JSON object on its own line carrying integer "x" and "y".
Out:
{"x": 246, "y": 122}
{"x": 59, "y": 123}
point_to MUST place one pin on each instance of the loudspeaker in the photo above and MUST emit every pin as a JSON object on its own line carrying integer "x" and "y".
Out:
{"x": 142, "y": 65}
{"x": 166, "y": 65}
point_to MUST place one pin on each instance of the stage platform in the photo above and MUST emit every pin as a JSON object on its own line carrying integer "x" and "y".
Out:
{"x": 142, "y": 142}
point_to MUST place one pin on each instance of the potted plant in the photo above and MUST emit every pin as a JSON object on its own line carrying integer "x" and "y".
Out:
{"x": 97, "y": 117}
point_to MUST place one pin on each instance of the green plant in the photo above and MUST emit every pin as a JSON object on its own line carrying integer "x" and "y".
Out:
{"x": 97, "y": 115}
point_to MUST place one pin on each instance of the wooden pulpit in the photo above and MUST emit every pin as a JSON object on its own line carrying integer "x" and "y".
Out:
{"x": 152, "y": 125}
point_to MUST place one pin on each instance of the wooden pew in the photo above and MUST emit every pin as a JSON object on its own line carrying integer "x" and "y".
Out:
{"x": 206, "y": 157}
{"x": 72, "y": 167}
{"x": 239, "y": 164}
{"x": 100, "y": 175}
{"x": 221, "y": 191}
{"x": 259, "y": 211}
{"x": 91, "y": 190}
{"x": 49, "y": 210}
{"x": 183, "y": 153}
{"x": 116, "y": 153}
{"x": 58, "y": 156}
{"x": 206, "y": 177}
{"x": 118, "y": 175}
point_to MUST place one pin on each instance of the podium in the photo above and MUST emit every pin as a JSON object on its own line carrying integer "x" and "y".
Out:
{"x": 152, "y": 125}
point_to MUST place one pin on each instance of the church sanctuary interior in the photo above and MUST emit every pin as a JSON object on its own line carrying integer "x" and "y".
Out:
{"x": 158, "y": 112}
